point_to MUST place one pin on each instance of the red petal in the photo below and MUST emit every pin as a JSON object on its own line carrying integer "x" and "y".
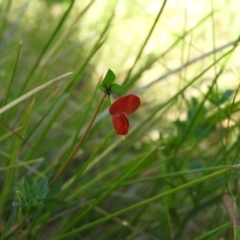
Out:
{"x": 126, "y": 104}
{"x": 121, "y": 124}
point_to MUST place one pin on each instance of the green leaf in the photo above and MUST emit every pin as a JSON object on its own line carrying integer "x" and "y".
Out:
{"x": 116, "y": 88}
{"x": 33, "y": 203}
{"x": 56, "y": 188}
{"x": 17, "y": 204}
{"x": 219, "y": 98}
{"x": 35, "y": 189}
{"x": 28, "y": 191}
{"x": 53, "y": 204}
{"x": 43, "y": 187}
{"x": 34, "y": 213}
{"x": 109, "y": 78}
{"x": 102, "y": 87}
{"x": 28, "y": 180}
{"x": 226, "y": 95}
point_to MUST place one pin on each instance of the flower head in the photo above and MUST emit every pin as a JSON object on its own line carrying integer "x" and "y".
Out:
{"x": 120, "y": 108}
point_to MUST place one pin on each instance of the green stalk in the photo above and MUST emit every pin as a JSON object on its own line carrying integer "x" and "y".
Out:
{"x": 146, "y": 202}
{"x": 14, "y": 69}
{"x": 46, "y": 47}
{"x": 12, "y": 172}
{"x": 145, "y": 42}
{"x": 71, "y": 156}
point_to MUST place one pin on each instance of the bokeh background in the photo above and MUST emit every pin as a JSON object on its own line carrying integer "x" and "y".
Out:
{"x": 181, "y": 66}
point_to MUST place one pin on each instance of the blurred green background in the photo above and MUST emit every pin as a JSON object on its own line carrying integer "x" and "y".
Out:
{"x": 181, "y": 58}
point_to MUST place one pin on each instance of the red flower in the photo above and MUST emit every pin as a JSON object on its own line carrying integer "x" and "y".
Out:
{"x": 120, "y": 108}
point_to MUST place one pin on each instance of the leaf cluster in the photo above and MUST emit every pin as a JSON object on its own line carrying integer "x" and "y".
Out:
{"x": 37, "y": 196}
{"x": 108, "y": 86}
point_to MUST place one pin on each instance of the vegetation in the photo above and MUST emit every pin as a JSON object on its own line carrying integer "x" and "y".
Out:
{"x": 66, "y": 173}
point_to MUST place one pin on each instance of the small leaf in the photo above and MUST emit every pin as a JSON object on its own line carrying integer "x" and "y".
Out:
{"x": 28, "y": 180}
{"x": 56, "y": 188}
{"x": 35, "y": 189}
{"x": 53, "y": 204}
{"x": 109, "y": 78}
{"x": 43, "y": 187}
{"x": 28, "y": 191}
{"x": 219, "y": 98}
{"x": 102, "y": 87}
{"x": 34, "y": 213}
{"x": 17, "y": 204}
{"x": 226, "y": 95}
{"x": 34, "y": 203}
{"x": 116, "y": 88}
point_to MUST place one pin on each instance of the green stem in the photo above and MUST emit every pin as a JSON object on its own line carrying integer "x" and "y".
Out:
{"x": 146, "y": 202}
{"x": 15, "y": 228}
{"x": 79, "y": 142}
{"x": 145, "y": 42}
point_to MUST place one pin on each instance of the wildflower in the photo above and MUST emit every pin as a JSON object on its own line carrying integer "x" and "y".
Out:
{"x": 120, "y": 108}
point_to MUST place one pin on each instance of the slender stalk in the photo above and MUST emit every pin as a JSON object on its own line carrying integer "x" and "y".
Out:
{"x": 15, "y": 228}
{"x": 145, "y": 42}
{"x": 146, "y": 201}
{"x": 46, "y": 47}
{"x": 13, "y": 74}
{"x": 79, "y": 142}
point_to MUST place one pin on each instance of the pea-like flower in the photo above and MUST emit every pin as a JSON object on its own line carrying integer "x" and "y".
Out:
{"x": 120, "y": 108}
